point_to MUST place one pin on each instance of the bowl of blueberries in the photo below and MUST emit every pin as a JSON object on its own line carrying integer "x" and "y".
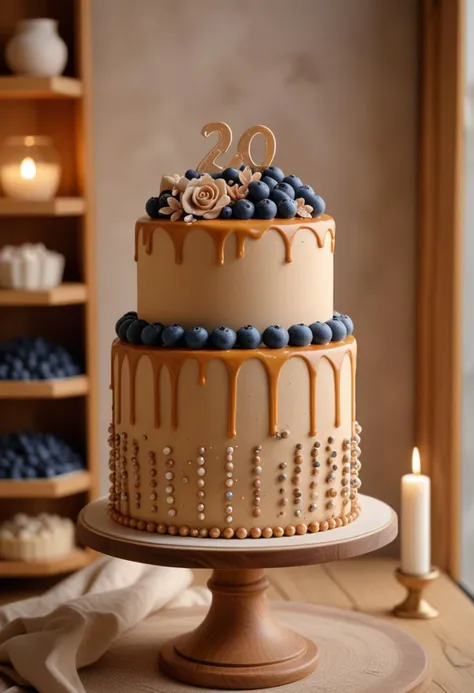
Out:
{"x": 26, "y": 358}
{"x": 35, "y": 455}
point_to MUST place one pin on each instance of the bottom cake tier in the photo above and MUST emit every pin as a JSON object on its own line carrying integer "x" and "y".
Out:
{"x": 238, "y": 443}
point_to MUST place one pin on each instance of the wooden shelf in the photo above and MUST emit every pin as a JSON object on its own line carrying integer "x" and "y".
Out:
{"x": 67, "y": 294}
{"x": 25, "y": 87}
{"x": 44, "y": 389}
{"x": 57, "y": 207}
{"x": 76, "y": 560}
{"x": 57, "y": 487}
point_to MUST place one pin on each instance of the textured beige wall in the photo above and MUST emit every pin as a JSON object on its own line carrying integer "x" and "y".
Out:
{"x": 336, "y": 81}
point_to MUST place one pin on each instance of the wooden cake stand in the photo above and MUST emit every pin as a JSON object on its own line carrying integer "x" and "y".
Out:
{"x": 239, "y": 645}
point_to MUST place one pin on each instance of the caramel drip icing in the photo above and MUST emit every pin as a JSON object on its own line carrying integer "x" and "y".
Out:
{"x": 219, "y": 231}
{"x": 273, "y": 361}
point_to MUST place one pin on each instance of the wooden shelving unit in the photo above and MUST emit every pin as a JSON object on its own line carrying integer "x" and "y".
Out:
{"x": 67, "y": 294}
{"x": 22, "y": 87}
{"x": 61, "y": 388}
{"x": 59, "y": 107}
{"x": 59, "y": 207}
{"x": 57, "y": 487}
{"x": 76, "y": 560}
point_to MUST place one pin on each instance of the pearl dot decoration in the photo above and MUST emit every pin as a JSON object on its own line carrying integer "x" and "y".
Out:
{"x": 296, "y": 479}
{"x": 201, "y": 472}
{"x": 136, "y": 468}
{"x": 257, "y": 484}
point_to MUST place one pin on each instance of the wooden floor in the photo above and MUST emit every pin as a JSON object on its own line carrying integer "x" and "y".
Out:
{"x": 366, "y": 585}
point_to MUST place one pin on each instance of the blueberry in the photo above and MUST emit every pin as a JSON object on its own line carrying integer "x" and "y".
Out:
{"x": 286, "y": 209}
{"x": 265, "y": 209}
{"x": 317, "y": 203}
{"x": 242, "y": 167}
{"x": 258, "y": 191}
{"x": 305, "y": 191}
{"x": 231, "y": 175}
{"x": 226, "y": 212}
{"x": 275, "y": 337}
{"x": 216, "y": 175}
{"x": 338, "y": 329}
{"x": 271, "y": 182}
{"x": 321, "y": 332}
{"x": 348, "y": 324}
{"x": 151, "y": 334}
{"x": 336, "y": 314}
{"x": 286, "y": 188}
{"x": 173, "y": 336}
{"x": 153, "y": 207}
{"x": 223, "y": 338}
{"x": 278, "y": 196}
{"x": 300, "y": 335}
{"x": 248, "y": 337}
{"x": 274, "y": 172}
{"x": 294, "y": 181}
{"x": 122, "y": 330}
{"x": 134, "y": 331}
{"x": 243, "y": 209}
{"x": 127, "y": 316}
{"x": 191, "y": 173}
{"x": 196, "y": 338}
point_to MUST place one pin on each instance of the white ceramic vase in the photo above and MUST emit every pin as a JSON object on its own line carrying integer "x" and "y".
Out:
{"x": 36, "y": 49}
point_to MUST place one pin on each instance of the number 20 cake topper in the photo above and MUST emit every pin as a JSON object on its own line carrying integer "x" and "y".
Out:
{"x": 243, "y": 155}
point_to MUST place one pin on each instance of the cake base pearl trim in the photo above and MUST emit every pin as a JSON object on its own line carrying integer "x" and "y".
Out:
{"x": 230, "y": 532}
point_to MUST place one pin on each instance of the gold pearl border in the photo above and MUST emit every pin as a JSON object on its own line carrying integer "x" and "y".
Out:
{"x": 229, "y": 532}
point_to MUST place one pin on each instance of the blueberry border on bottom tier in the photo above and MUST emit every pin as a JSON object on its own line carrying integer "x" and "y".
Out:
{"x": 132, "y": 330}
{"x": 229, "y": 532}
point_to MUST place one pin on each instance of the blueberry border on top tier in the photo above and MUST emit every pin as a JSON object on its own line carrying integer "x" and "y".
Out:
{"x": 234, "y": 194}
{"x": 133, "y": 330}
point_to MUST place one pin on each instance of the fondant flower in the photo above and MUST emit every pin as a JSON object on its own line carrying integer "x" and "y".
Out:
{"x": 176, "y": 183}
{"x": 238, "y": 192}
{"x": 205, "y": 197}
{"x": 174, "y": 210}
{"x": 302, "y": 209}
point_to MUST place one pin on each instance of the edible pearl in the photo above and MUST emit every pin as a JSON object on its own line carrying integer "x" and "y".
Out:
{"x": 229, "y": 518}
{"x": 229, "y": 466}
{"x": 230, "y": 451}
{"x": 202, "y": 451}
{"x": 169, "y": 489}
{"x": 229, "y": 483}
{"x": 257, "y": 470}
{"x": 167, "y": 450}
{"x": 201, "y": 460}
{"x": 169, "y": 476}
{"x": 229, "y": 495}
{"x": 201, "y": 471}
{"x": 229, "y": 509}
{"x": 229, "y": 475}
{"x": 201, "y": 517}
{"x": 170, "y": 500}
{"x": 201, "y": 494}
{"x": 200, "y": 507}
{"x": 171, "y": 512}
{"x": 229, "y": 458}
{"x": 201, "y": 483}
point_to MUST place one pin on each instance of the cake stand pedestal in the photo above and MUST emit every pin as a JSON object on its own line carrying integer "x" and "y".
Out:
{"x": 239, "y": 645}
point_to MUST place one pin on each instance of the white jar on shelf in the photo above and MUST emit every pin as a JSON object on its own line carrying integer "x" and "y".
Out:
{"x": 36, "y": 49}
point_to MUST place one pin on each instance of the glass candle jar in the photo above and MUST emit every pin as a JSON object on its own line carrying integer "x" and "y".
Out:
{"x": 30, "y": 168}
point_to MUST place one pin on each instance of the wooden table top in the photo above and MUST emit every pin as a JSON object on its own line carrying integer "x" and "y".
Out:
{"x": 367, "y": 585}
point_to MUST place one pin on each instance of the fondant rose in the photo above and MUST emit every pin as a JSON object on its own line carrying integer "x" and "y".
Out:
{"x": 205, "y": 197}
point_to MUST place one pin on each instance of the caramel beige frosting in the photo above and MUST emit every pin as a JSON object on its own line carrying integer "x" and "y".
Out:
{"x": 234, "y": 273}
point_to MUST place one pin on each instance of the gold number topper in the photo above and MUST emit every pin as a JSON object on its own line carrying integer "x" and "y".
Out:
{"x": 243, "y": 156}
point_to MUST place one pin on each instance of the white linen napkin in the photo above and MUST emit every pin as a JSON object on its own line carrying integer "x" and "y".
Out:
{"x": 45, "y": 640}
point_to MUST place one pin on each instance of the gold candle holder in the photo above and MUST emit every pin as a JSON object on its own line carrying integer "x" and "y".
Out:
{"x": 414, "y": 606}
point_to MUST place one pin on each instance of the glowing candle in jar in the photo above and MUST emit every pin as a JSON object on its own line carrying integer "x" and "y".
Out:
{"x": 30, "y": 169}
{"x": 415, "y": 534}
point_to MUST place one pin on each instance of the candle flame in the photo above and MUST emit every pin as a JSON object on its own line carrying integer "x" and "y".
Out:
{"x": 415, "y": 461}
{"x": 28, "y": 168}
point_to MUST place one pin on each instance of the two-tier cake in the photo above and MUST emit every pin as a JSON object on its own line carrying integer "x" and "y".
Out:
{"x": 234, "y": 381}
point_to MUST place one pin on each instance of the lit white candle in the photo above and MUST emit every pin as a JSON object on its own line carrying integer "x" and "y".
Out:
{"x": 30, "y": 180}
{"x": 415, "y": 534}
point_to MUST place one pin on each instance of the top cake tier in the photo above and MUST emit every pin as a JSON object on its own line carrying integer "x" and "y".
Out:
{"x": 235, "y": 272}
